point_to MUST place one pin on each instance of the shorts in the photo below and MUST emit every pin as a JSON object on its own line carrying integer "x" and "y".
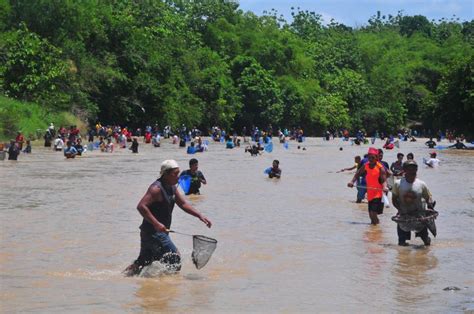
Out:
{"x": 376, "y": 205}
{"x": 157, "y": 247}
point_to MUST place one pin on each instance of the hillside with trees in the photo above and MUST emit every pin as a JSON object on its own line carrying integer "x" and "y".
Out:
{"x": 205, "y": 63}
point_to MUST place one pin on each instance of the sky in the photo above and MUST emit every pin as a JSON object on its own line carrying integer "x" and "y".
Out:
{"x": 357, "y": 13}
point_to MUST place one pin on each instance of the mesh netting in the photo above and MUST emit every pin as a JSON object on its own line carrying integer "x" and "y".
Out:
{"x": 411, "y": 223}
{"x": 203, "y": 247}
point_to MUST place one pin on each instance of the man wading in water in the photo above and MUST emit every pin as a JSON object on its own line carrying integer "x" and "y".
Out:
{"x": 407, "y": 196}
{"x": 156, "y": 207}
{"x": 196, "y": 177}
{"x": 376, "y": 178}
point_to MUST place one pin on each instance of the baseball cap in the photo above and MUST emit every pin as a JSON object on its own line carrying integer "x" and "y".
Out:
{"x": 373, "y": 151}
{"x": 167, "y": 165}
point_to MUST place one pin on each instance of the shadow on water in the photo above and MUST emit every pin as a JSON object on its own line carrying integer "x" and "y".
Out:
{"x": 411, "y": 275}
{"x": 194, "y": 277}
{"x": 358, "y": 223}
{"x": 151, "y": 296}
{"x": 165, "y": 293}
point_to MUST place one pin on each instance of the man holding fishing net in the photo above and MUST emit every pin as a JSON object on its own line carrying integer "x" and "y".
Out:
{"x": 376, "y": 178}
{"x": 156, "y": 207}
{"x": 409, "y": 196}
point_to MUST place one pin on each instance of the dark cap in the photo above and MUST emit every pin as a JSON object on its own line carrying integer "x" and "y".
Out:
{"x": 410, "y": 163}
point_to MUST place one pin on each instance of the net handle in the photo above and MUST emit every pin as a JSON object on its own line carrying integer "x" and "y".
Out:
{"x": 194, "y": 236}
{"x": 172, "y": 231}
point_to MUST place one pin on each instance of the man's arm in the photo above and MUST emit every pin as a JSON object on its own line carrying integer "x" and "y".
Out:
{"x": 426, "y": 194}
{"x": 395, "y": 196}
{"x": 383, "y": 178}
{"x": 429, "y": 163}
{"x": 202, "y": 179}
{"x": 275, "y": 174}
{"x": 152, "y": 194}
{"x": 359, "y": 173}
{"x": 188, "y": 208}
{"x": 349, "y": 169}
{"x": 392, "y": 167}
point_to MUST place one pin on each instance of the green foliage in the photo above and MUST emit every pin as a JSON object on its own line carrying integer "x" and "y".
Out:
{"x": 205, "y": 63}
{"x": 33, "y": 69}
{"x": 5, "y": 12}
{"x": 30, "y": 118}
{"x": 330, "y": 112}
{"x": 351, "y": 87}
{"x": 261, "y": 96}
{"x": 455, "y": 100}
{"x": 209, "y": 79}
{"x": 411, "y": 24}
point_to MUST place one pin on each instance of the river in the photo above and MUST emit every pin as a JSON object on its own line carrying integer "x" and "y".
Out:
{"x": 298, "y": 244}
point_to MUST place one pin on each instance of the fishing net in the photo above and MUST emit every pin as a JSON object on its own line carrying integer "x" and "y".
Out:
{"x": 203, "y": 247}
{"x": 417, "y": 223}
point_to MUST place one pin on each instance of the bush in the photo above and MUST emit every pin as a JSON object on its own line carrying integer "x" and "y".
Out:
{"x": 30, "y": 119}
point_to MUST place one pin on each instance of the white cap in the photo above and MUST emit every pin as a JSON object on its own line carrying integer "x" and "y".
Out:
{"x": 168, "y": 164}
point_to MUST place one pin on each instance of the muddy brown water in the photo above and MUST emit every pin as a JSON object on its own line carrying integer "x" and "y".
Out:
{"x": 299, "y": 244}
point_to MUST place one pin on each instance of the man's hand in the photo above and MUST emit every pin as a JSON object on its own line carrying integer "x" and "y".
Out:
{"x": 431, "y": 205}
{"x": 206, "y": 221}
{"x": 350, "y": 184}
{"x": 385, "y": 189}
{"x": 161, "y": 228}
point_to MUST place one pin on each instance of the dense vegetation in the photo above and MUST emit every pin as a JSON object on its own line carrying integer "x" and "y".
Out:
{"x": 31, "y": 119}
{"x": 205, "y": 63}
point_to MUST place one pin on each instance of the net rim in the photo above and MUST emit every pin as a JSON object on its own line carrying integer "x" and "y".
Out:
{"x": 204, "y": 238}
{"x": 402, "y": 219}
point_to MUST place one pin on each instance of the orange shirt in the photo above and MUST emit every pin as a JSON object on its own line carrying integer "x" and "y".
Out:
{"x": 372, "y": 179}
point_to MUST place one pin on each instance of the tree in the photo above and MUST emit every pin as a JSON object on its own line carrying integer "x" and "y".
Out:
{"x": 411, "y": 24}
{"x": 261, "y": 97}
{"x": 34, "y": 70}
{"x": 455, "y": 98}
{"x": 330, "y": 112}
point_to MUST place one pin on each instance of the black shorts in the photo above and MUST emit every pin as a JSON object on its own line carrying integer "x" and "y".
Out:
{"x": 376, "y": 205}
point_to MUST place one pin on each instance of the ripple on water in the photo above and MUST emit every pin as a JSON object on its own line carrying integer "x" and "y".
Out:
{"x": 281, "y": 243}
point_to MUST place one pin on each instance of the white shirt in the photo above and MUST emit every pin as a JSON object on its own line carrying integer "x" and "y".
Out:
{"x": 417, "y": 190}
{"x": 58, "y": 143}
{"x": 432, "y": 162}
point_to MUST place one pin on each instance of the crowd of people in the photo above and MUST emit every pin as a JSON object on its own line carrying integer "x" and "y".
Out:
{"x": 411, "y": 197}
{"x": 373, "y": 177}
{"x": 106, "y": 137}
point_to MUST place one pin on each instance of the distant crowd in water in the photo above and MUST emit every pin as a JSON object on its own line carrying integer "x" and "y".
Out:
{"x": 107, "y": 138}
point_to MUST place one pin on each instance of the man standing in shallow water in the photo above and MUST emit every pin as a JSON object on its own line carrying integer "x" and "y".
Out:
{"x": 197, "y": 177}
{"x": 156, "y": 207}
{"x": 376, "y": 178}
{"x": 275, "y": 171}
{"x": 408, "y": 194}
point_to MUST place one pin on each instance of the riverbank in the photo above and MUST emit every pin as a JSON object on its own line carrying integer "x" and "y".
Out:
{"x": 31, "y": 119}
